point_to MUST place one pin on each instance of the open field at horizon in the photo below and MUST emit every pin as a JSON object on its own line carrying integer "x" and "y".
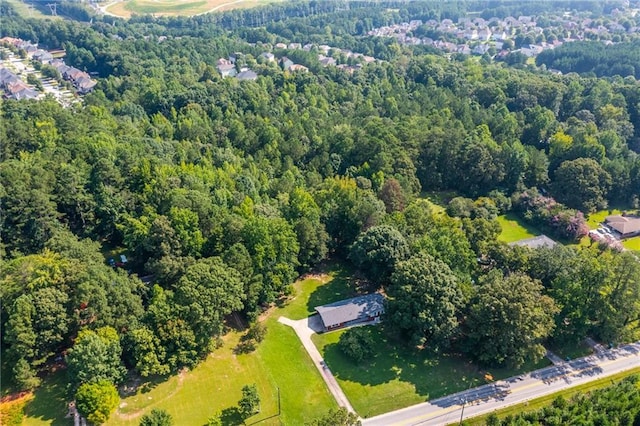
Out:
{"x": 127, "y": 8}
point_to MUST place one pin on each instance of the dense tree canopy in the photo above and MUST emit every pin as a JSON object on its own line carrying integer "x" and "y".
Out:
{"x": 220, "y": 192}
{"x": 425, "y": 301}
{"x": 509, "y": 319}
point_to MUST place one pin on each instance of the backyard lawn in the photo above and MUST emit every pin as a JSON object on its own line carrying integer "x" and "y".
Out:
{"x": 399, "y": 377}
{"x": 595, "y": 219}
{"x": 515, "y": 229}
{"x": 215, "y": 384}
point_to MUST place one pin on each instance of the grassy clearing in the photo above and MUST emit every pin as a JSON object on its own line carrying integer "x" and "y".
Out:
{"x": 49, "y": 403}
{"x": 595, "y": 219}
{"x": 36, "y": 10}
{"x": 544, "y": 401}
{"x": 632, "y": 244}
{"x": 178, "y": 7}
{"x": 279, "y": 362}
{"x": 399, "y": 377}
{"x": 515, "y": 229}
{"x": 439, "y": 199}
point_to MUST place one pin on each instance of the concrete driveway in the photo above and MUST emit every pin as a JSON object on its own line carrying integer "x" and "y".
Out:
{"x": 305, "y": 328}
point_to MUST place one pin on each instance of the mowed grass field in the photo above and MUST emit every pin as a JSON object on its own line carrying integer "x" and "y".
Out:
{"x": 399, "y": 376}
{"x": 279, "y": 362}
{"x": 515, "y": 228}
{"x": 126, "y": 8}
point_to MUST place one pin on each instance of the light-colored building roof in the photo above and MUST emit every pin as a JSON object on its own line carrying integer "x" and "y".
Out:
{"x": 247, "y": 75}
{"x": 357, "y": 308}
{"x": 624, "y": 224}
{"x": 535, "y": 242}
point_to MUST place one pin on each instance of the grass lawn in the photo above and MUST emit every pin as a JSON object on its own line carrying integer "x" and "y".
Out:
{"x": 573, "y": 351}
{"x": 632, "y": 243}
{"x": 279, "y": 362}
{"x": 544, "y": 401}
{"x": 37, "y": 10}
{"x": 49, "y": 403}
{"x": 439, "y": 199}
{"x": 399, "y": 377}
{"x": 515, "y": 229}
{"x": 178, "y": 7}
{"x": 595, "y": 219}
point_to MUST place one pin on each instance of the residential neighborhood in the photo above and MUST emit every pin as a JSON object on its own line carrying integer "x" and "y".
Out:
{"x": 21, "y": 73}
{"x": 499, "y": 36}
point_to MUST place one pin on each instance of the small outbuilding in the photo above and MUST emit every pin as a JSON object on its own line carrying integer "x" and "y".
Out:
{"x": 361, "y": 309}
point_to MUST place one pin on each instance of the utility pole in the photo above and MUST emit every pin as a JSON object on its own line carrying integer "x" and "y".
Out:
{"x": 464, "y": 401}
{"x": 53, "y": 8}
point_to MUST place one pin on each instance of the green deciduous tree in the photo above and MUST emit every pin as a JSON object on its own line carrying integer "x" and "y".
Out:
{"x": 97, "y": 400}
{"x": 249, "y": 404}
{"x": 378, "y": 250}
{"x": 424, "y": 301}
{"x": 508, "y": 320}
{"x": 357, "y": 344}
{"x": 145, "y": 352}
{"x": 95, "y": 356}
{"x": 207, "y": 292}
{"x": 156, "y": 417}
{"x": 337, "y": 417}
{"x": 582, "y": 184}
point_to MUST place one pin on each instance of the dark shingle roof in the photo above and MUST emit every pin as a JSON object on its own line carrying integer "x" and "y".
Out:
{"x": 360, "y": 307}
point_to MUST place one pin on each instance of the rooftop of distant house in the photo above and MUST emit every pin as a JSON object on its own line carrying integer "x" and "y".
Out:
{"x": 535, "y": 242}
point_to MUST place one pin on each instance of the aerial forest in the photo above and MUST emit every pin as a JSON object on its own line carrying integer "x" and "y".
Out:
{"x": 222, "y": 192}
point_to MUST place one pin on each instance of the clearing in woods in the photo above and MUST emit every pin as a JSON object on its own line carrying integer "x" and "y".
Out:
{"x": 127, "y": 8}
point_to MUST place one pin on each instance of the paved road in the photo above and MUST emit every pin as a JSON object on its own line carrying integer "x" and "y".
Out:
{"x": 305, "y": 328}
{"x": 500, "y": 394}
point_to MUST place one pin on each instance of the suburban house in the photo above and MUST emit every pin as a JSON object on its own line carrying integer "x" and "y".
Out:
{"x": 42, "y": 56}
{"x": 268, "y": 56}
{"x": 535, "y": 242}
{"x": 247, "y": 75}
{"x": 227, "y": 70}
{"x": 358, "y": 310}
{"x": 286, "y": 63}
{"x": 626, "y": 226}
{"x": 298, "y": 67}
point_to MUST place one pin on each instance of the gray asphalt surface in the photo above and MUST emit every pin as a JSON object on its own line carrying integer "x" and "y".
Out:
{"x": 488, "y": 398}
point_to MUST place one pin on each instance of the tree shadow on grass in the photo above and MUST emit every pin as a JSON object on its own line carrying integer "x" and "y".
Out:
{"x": 343, "y": 285}
{"x": 231, "y": 417}
{"x": 50, "y": 400}
{"x": 432, "y": 375}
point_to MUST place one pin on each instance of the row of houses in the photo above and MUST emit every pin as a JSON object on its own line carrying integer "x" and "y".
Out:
{"x": 14, "y": 87}
{"x": 475, "y": 35}
{"x": 80, "y": 79}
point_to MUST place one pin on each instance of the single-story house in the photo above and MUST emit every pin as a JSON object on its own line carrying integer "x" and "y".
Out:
{"x": 361, "y": 309}
{"x": 247, "y": 75}
{"x": 535, "y": 242}
{"x": 626, "y": 226}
